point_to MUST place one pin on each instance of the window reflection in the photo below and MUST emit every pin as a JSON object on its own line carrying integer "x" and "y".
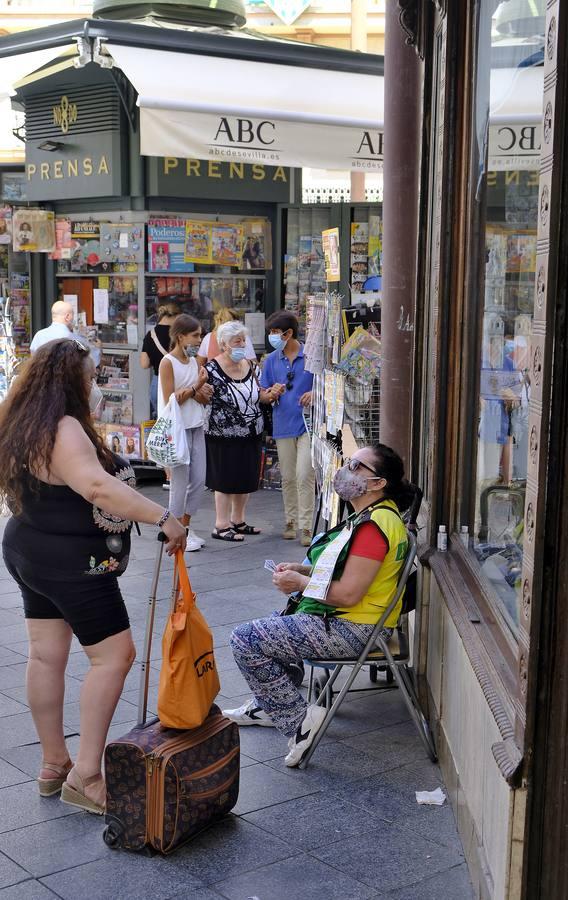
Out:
{"x": 509, "y": 121}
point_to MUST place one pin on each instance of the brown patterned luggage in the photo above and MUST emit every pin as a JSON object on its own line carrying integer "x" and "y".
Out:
{"x": 164, "y": 786}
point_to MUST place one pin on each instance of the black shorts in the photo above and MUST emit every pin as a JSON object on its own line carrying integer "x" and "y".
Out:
{"x": 91, "y": 604}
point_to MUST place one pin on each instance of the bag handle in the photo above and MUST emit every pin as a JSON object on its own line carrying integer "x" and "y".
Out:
{"x": 156, "y": 340}
{"x": 186, "y": 592}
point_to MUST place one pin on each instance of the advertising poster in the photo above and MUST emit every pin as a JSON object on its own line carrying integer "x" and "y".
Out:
{"x": 257, "y": 246}
{"x": 5, "y": 225}
{"x": 330, "y": 241}
{"x": 226, "y": 244}
{"x": 166, "y": 246}
{"x": 197, "y": 242}
{"x": 124, "y": 440}
{"x": 33, "y": 231}
{"x": 122, "y": 243}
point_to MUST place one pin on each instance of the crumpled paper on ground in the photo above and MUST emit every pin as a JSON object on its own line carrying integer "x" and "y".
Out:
{"x": 431, "y": 798}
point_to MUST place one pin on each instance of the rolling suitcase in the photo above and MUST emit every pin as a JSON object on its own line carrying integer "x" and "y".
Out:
{"x": 164, "y": 786}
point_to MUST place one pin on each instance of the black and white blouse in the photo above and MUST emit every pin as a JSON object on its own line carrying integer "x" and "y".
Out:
{"x": 235, "y": 407}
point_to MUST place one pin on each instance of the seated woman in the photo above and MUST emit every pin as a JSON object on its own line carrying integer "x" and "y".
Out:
{"x": 351, "y": 580}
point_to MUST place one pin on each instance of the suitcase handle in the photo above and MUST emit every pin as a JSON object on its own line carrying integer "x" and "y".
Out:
{"x": 145, "y": 667}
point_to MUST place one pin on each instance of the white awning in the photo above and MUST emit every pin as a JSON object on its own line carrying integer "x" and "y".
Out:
{"x": 14, "y": 68}
{"x": 206, "y": 107}
{"x": 515, "y": 118}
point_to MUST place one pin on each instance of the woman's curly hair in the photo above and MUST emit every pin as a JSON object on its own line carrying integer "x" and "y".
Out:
{"x": 49, "y": 386}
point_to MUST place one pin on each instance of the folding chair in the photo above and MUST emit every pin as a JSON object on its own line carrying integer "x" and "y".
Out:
{"x": 376, "y": 652}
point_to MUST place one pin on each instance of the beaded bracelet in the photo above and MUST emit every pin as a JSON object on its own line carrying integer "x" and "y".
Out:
{"x": 163, "y": 518}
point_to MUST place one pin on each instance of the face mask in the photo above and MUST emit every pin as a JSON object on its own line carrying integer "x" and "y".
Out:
{"x": 238, "y": 353}
{"x": 277, "y": 341}
{"x": 95, "y": 397}
{"x": 191, "y": 351}
{"x": 349, "y": 485}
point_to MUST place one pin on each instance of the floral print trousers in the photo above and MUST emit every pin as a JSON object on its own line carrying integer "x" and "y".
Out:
{"x": 264, "y": 648}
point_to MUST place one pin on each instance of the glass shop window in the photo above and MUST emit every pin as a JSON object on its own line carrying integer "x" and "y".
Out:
{"x": 505, "y": 162}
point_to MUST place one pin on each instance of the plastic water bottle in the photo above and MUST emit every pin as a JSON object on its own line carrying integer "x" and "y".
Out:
{"x": 442, "y": 542}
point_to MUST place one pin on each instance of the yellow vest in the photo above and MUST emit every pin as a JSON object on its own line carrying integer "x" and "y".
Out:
{"x": 383, "y": 588}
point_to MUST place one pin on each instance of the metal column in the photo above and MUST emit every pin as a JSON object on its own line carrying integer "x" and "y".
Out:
{"x": 400, "y": 231}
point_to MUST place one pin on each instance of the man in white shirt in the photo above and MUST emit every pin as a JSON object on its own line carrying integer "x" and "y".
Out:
{"x": 62, "y": 316}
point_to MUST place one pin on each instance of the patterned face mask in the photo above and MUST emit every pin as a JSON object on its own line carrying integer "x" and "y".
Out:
{"x": 349, "y": 485}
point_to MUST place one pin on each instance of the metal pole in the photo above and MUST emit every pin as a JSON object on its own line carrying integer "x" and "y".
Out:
{"x": 358, "y": 42}
{"x": 400, "y": 231}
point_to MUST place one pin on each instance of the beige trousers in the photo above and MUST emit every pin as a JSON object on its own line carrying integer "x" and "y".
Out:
{"x": 298, "y": 480}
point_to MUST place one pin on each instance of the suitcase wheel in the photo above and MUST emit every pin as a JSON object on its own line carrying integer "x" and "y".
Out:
{"x": 112, "y": 836}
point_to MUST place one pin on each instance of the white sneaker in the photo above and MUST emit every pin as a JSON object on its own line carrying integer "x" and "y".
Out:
{"x": 250, "y": 713}
{"x": 304, "y": 737}
{"x": 192, "y": 544}
{"x": 192, "y": 536}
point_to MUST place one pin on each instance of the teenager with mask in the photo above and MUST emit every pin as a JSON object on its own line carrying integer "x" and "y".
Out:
{"x": 234, "y": 432}
{"x": 365, "y": 555}
{"x": 284, "y": 372}
{"x": 180, "y": 374}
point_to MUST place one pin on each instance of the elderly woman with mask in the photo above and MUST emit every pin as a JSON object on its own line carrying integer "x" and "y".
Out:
{"x": 234, "y": 432}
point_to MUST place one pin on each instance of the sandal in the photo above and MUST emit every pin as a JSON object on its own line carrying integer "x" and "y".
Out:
{"x": 76, "y": 796}
{"x": 243, "y": 528}
{"x": 50, "y": 786}
{"x": 226, "y": 534}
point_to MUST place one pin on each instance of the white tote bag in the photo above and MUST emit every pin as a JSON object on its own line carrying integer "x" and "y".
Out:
{"x": 167, "y": 444}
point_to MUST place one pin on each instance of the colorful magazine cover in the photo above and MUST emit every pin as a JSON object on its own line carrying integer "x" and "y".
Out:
{"x": 197, "y": 247}
{"x": 226, "y": 244}
{"x": 160, "y": 255}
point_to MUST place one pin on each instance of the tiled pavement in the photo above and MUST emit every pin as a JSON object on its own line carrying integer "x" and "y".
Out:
{"x": 348, "y": 828}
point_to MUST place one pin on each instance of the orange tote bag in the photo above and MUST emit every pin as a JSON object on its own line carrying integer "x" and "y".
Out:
{"x": 189, "y": 681}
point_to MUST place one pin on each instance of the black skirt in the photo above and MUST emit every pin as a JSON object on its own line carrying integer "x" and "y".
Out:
{"x": 233, "y": 464}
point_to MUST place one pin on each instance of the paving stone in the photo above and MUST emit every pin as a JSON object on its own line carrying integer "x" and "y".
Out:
{"x": 124, "y": 712}
{"x": 312, "y": 821}
{"x": 10, "y": 873}
{"x": 262, "y": 744}
{"x": 13, "y": 633}
{"x": 13, "y": 675}
{"x": 124, "y": 876}
{"x": 9, "y": 657}
{"x": 19, "y": 730}
{"x": 261, "y": 786}
{"x": 388, "y": 857}
{"x": 9, "y": 617}
{"x": 331, "y": 766}
{"x": 10, "y": 707}
{"x": 230, "y": 848}
{"x": 11, "y": 775}
{"x": 56, "y": 844}
{"x": 453, "y": 884}
{"x": 21, "y": 805}
{"x": 394, "y": 745}
{"x": 72, "y": 690}
{"x": 300, "y": 876}
{"x": 27, "y": 890}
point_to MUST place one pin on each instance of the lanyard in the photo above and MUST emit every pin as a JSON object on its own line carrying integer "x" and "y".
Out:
{"x": 322, "y": 572}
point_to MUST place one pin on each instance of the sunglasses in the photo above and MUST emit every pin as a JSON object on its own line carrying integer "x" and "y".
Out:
{"x": 80, "y": 346}
{"x": 289, "y": 381}
{"x": 354, "y": 464}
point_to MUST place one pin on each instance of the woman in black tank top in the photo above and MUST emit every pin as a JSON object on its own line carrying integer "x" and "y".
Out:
{"x": 72, "y": 504}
